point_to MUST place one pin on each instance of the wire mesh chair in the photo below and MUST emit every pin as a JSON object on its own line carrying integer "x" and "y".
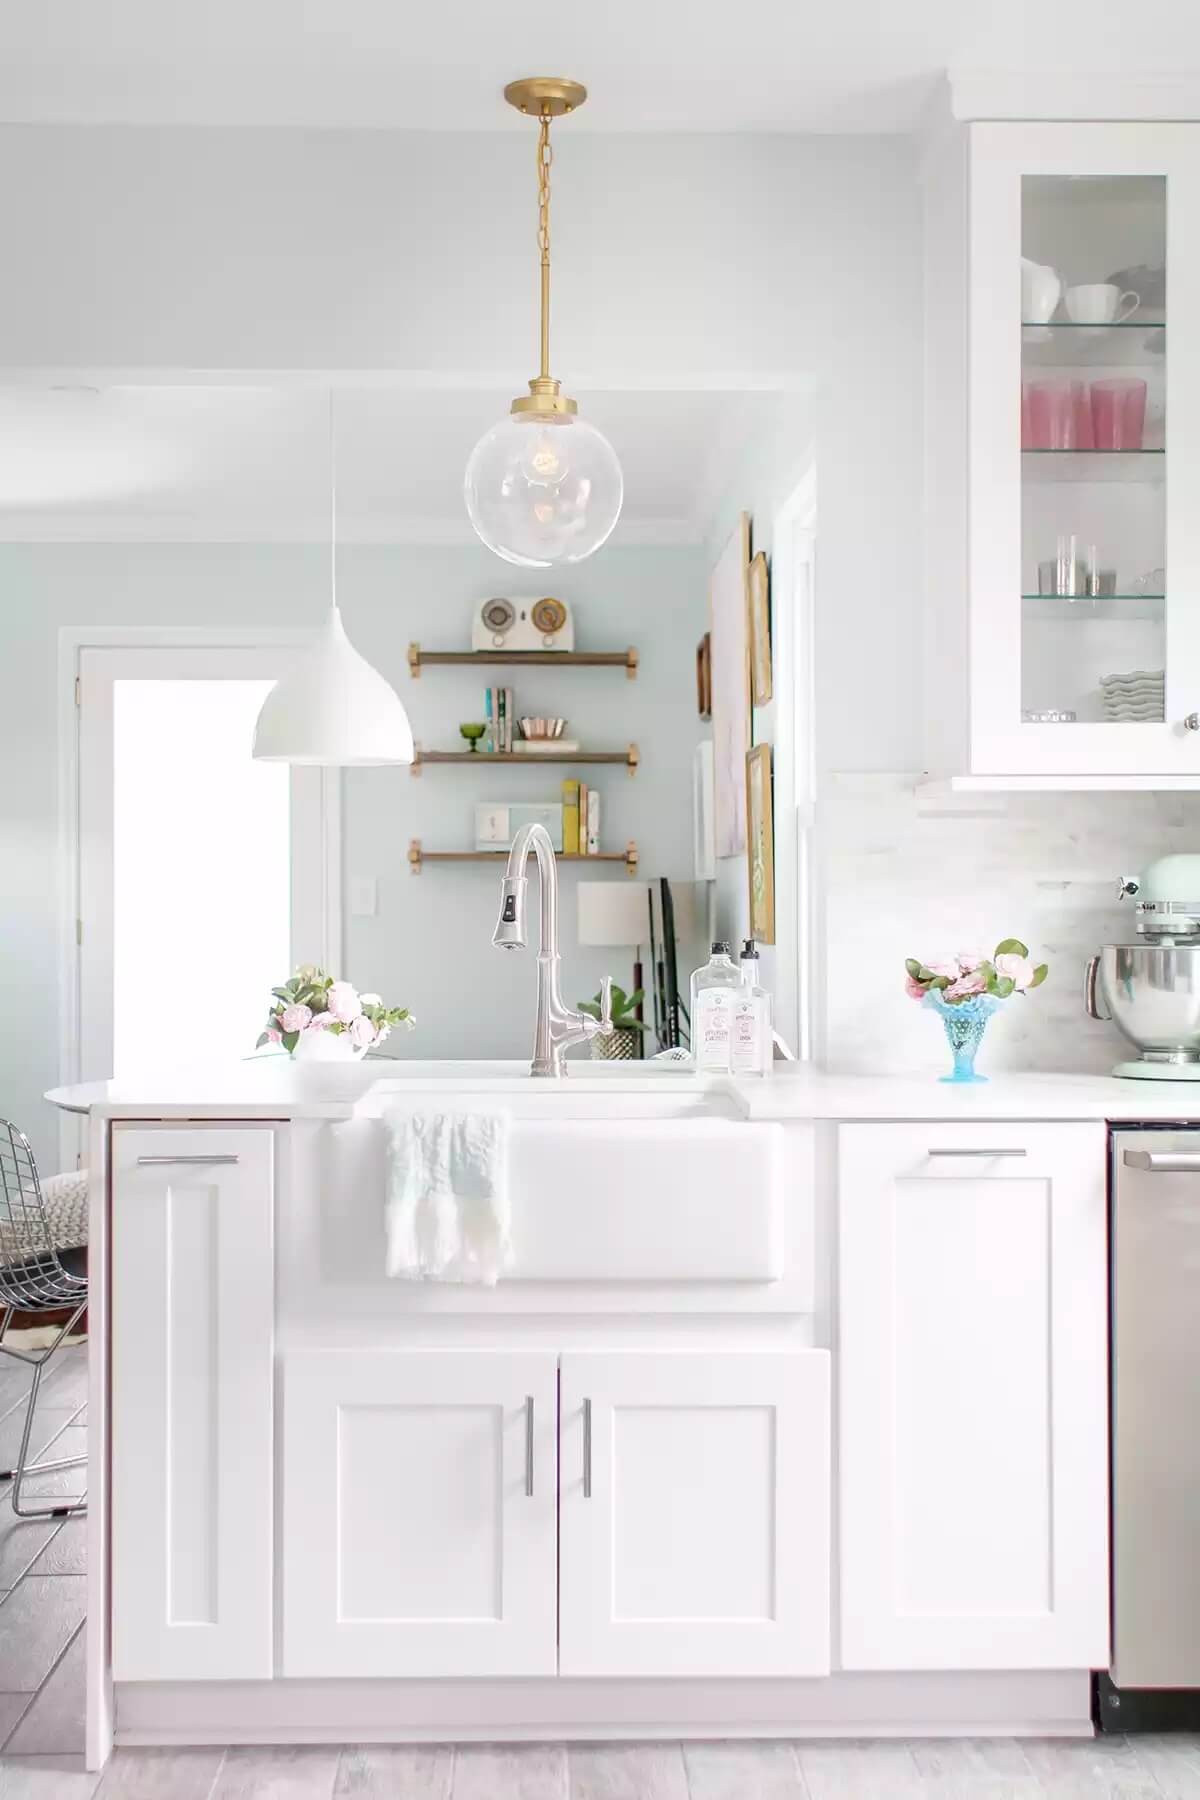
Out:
{"x": 35, "y": 1277}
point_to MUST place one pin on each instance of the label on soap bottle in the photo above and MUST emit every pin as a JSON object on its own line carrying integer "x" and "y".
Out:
{"x": 711, "y": 1027}
{"x": 746, "y": 1035}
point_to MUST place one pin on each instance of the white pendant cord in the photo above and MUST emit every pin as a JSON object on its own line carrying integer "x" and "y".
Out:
{"x": 333, "y": 603}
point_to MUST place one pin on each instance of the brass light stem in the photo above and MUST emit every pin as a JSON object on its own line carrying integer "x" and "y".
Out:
{"x": 544, "y": 97}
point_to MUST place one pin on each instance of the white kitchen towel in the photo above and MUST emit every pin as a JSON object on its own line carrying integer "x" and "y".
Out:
{"x": 447, "y": 1209}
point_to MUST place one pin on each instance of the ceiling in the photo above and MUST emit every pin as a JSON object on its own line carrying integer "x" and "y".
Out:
{"x": 252, "y": 464}
{"x": 683, "y": 65}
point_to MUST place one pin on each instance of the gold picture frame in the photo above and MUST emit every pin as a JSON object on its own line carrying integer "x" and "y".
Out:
{"x": 760, "y": 844}
{"x": 732, "y": 705}
{"x": 758, "y": 590}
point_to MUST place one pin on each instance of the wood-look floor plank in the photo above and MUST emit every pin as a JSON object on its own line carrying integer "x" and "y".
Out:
{"x": 993, "y": 1768}
{"x": 279, "y": 1772}
{"x": 21, "y": 1541}
{"x": 740, "y": 1770}
{"x": 627, "y": 1772}
{"x": 1174, "y": 1761}
{"x": 1110, "y": 1767}
{"x": 65, "y": 1552}
{"x": 11, "y": 1708}
{"x": 160, "y": 1775}
{"x": 842, "y": 1769}
{"x": 48, "y": 1421}
{"x": 45, "y": 1778}
{"x": 55, "y": 1720}
{"x": 396, "y": 1772}
{"x": 514, "y": 1771}
{"x": 38, "y": 1619}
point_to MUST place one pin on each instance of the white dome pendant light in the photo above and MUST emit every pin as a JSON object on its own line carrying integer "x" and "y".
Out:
{"x": 543, "y": 486}
{"x": 332, "y": 707}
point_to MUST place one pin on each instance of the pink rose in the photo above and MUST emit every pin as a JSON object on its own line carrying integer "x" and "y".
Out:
{"x": 913, "y": 988}
{"x": 970, "y": 959}
{"x": 949, "y": 969}
{"x": 371, "y": 999}
{"x": 272, "y": 1035}
{"x": 295, "y": 1018}
{"x": 344, "y": 1002}
{"x": 1019, "y": 969}
{"x": 319, "y": 1022}
{"x": 362, "y": 1033}
{"x": 973, "y": 983}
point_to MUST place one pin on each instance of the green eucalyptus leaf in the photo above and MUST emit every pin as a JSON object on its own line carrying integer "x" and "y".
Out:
{"x": 1011, "y": 947}
{"x": 264, "y": 1039}
{"x": 1039, "y": 975}
{"x": 1005, "y": 985}
{"x": 290, "y": 1040}
{"x": 913, "y": 968}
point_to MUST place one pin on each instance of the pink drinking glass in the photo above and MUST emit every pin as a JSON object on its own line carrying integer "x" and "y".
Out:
{"x": 1059, "y": 416}
{"x": 1119, "y": 413}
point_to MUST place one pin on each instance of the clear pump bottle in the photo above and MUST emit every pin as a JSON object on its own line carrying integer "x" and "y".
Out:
{"x": 750, "y": 1039}
{"x": 714, "y": 988}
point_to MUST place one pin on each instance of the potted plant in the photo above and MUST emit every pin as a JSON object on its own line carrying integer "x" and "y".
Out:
{"x": 319, "y": 1019}
{"x": 620, "y": 1043}
{"x": 966, "y": 989}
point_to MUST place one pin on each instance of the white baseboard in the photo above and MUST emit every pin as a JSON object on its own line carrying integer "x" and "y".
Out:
{"x": 1056, "y": 1704}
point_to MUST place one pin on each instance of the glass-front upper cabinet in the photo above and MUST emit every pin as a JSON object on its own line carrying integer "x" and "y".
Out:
{"x": 1084, "y": 449}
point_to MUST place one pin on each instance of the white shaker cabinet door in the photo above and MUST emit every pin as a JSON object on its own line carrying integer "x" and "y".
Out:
{"x": 973, "y": 1441}
{"x": 694, "y": 1513}
{"x": 193, "y": 1301}
{"x": 419, "y": 1512}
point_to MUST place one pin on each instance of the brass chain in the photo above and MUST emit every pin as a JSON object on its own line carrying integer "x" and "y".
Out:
{"x": 545, "y": 156}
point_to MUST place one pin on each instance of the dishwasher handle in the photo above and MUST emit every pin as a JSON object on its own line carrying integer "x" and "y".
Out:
{"x": 1163, "y": 1162}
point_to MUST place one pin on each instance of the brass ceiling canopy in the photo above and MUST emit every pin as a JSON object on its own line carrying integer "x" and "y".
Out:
{"x": 550, "y": 94}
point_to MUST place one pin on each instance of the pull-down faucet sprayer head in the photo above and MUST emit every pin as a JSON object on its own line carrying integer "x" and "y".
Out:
{"x": 510, "y": 925}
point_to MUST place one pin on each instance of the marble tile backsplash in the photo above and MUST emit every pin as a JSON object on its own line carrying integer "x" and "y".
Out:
{"x": 900, "y": 880}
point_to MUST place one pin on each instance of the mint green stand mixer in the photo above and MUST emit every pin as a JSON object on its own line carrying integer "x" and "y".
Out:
{"x": 1150, "y": 989}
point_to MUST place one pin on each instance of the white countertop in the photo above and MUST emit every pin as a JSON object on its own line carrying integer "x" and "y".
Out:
{"x": 274, "y": 1088}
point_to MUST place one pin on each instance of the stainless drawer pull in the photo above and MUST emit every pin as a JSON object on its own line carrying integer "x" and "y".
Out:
{"x": 1010, "y": 1151}
{"x": 529, "y": 1446}
{"x": 587, "y": 1449}
{"x": 186, "y": 1159}
{"x": 1164, "y": 1162}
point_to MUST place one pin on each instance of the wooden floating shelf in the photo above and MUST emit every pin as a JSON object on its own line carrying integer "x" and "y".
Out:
{"x": 417, "y": 856}
{"x": 629, "y": 757}
{"x": 525, "y": 659}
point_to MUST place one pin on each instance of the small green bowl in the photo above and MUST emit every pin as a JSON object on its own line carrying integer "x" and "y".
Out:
{"x": 472, "y": 733}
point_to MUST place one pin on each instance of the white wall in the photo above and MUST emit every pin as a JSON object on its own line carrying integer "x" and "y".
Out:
{"x": 429, "y": 944}
{"x": 678, "y": 260}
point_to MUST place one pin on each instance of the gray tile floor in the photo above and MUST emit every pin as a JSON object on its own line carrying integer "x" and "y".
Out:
{"x": 41, "y": 1718}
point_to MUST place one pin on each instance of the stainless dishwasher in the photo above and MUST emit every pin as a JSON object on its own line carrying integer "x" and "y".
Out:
{"x": 1155, "y": 1249}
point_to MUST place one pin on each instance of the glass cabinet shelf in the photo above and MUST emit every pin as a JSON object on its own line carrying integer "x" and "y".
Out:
{"x": 1095, "y": 465}
{"x": 1131, "y": 343}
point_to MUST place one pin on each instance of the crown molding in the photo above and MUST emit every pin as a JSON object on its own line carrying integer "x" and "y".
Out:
{"x": 114, "y": 527}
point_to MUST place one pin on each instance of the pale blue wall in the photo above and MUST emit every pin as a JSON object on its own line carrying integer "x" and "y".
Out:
{"x": 429, "y": 945}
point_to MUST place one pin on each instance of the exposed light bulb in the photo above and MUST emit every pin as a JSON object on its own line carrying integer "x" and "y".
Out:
{"x": 541, "y": 492}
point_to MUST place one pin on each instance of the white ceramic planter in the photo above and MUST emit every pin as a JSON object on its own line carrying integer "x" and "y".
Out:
{"x": 326, "y": 1046}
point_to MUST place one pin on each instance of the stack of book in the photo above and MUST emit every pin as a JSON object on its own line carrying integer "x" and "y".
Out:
{"x": 581, "y": 819}
{"x": 500, "y": 713}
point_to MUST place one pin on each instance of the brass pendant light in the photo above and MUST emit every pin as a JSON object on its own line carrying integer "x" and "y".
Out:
{"x": 543, "y": 486}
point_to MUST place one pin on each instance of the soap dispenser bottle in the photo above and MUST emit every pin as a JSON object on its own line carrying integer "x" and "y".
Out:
{"x": 750, "y": 1040}
{"x": 714, "y": 988}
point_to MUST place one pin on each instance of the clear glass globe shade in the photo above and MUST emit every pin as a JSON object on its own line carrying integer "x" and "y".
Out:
{"x": 543, "y": 491}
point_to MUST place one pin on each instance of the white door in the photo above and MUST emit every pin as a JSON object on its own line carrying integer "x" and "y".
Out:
{"x": 419, "y": 1512}
{"x": 1084, "y": 436}
{"x": 193, "y": 1301}
{"x": 973, "y": 1432}
{"x": 192, "y": 858}
{"x": 694, "y": 1513}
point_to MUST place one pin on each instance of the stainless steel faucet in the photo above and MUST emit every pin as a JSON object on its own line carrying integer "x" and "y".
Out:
{"x": 557, "y": 1026}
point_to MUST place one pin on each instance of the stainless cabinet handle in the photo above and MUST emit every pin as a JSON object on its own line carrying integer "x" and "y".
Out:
{"x": 529, "y": 1446}
{"x": 1007, "y": 1151}
{"x": 587, "y": 1449}
{"x": 186, "y": 1159}
{"x": 1164, "y": 1162}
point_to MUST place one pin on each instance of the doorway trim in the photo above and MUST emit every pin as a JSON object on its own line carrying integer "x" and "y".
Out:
{"x": 322, "y": 927}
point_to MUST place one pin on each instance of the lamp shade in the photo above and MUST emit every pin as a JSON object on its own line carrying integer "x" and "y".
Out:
{"x": 613, "y": 913}
{"x": 333, "y": 708}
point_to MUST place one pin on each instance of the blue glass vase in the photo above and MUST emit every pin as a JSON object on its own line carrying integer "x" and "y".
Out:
{"x": 965, "y": 1024}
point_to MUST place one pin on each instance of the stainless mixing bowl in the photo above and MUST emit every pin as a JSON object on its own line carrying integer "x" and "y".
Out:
{"x": 1152, "y": 993}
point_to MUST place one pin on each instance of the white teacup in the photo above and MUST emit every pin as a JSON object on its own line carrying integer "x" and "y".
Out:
{"x": 1040, "y": 290}
{"x": 1100, "y": 303}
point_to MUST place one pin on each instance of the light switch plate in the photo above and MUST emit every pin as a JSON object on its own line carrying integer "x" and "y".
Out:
{"x": 364, "y": 896}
